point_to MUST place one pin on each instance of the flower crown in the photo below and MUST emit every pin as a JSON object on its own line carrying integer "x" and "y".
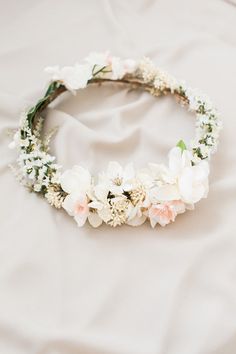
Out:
{"x": 119, "y": 195}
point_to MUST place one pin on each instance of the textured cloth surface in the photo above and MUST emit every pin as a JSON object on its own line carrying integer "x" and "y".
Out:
{"x": 65, "y": 290}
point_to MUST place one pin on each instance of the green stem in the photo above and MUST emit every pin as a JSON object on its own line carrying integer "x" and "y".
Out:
{"x": 56, "y": 88}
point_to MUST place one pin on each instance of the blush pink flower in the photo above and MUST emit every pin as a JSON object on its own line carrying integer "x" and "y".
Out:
{"x": 77, "y": 206}
{"x": 162, "y": 214}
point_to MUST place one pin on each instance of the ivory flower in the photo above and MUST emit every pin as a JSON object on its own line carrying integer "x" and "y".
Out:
{"x": 76, "y": 205}
{"x": 77, "y": 183}
{"x": 118, "y": 70}
{"x": 121, "y": 67}
{"x": 102, "y": 210}
{"x": 113, "y": 211}
{"x": 139, "y": 200}
{"x": 192, "y": 181}
{"x": 116, "y": 179}
{"x": 136, "y": 216}
{"x": 98, "y": 59}
{"x": 76, "y": 180}
{"x": 130, "y": 66}
{"x": 73, "y": 77}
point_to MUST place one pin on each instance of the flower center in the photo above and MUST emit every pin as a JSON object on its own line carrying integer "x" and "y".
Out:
{"x": 79, "y": 208}
{"x": 163, "y": 210}
{"x": 117, "y": 181}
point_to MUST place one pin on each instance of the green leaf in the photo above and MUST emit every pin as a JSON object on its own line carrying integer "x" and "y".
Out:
{"x": 181, "y": 145}
{"x": 52, "y": 87}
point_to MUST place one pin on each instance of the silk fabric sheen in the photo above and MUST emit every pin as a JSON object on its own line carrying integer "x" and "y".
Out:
{"x": 70, "y": 290}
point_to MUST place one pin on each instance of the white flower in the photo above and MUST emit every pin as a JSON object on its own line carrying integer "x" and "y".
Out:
{"x": 73, "y": 77}
{"x": 103, "y": 210}
{"x": 196, "y": 98}
{"x": 116, "y": 179}
{"x": 136, "y": 216}
{"x": 112, "y": 206}
{"x": 98, "y": 59}
{"x": 16, "y": 140}
{"x": 113, "y": 211}
{"x": 130, "y": 66}
{"x": 76, "y": 205}
{"x": 165, "y": 192}
{"x": 122, "y": 67}
{"x": 54, "y": 72}
{"x": 77, "y": 183}
{"x": 192, "y": 181}
{"x": 118, "y": 70}
{"x": 94, "y": 219}
{"x": 160, "y": 183}
{"x": 76, "y": 180}
{"x": 139, "y": 200}
{"x": 180, "y": 181}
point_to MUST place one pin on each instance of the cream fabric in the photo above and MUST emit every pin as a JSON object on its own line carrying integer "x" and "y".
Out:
{"x": 65, "y": 290}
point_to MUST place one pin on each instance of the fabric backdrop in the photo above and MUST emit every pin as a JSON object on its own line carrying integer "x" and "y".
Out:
{"x": 66, "y": 290}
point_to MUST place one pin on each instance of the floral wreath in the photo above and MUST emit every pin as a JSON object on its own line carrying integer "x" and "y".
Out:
{"x": 120, "y": 195}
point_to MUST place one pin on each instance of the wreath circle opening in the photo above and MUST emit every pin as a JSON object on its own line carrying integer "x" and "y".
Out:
{"x": 120, "y": 195}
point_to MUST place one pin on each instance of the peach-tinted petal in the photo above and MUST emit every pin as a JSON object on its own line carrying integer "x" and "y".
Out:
{"x": 162, "y": 214}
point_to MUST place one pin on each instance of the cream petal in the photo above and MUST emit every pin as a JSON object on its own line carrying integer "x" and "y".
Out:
{"x": 83, "y": 73}
{"x": 145, "y": 179}
{"x": 114, "y": 169}
{"x": 53, "y": 71}
{"x": 127, "y": 187}
{"x": 70, "y": 182}
{"x": 116, "y": 190}
{"x": 98, "y": 59}
{"x": 179, "y": 206}
{"x": 166, "y": 192}
{"x": 192, "y": 189}
{"x": 133, "y": 212}
{"x": 81, "y": 219}
{"x": 199, "y": 192}
{"x": 201, "y": 171}
{"x": 128, "y": 171}
{"x": 130, "y": 65}
{"x": 84, "y": 177}
{"x": 75, "y": 77}
{"x": 163, "y": 221}
{"x": 175, "y": 160}
{"x": 69, "y": 204}
{"x": 179, "y": 159}
{"x": 94, "y": 219}
{"x": 137, "y": 220}
{"x": 101, "y": 192}
{"x": 189, "y": 206}
{"x": 118, "y": 70}
{"x": 69, "y": 78}
{"x": 158, "y": 170}
{"x": 105, "y": 214}
{"x": 186, "y": 185}
{"x": 186, "y": 158}
{"x": 153, "y": 222}
{"x": 96, "y": 205}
